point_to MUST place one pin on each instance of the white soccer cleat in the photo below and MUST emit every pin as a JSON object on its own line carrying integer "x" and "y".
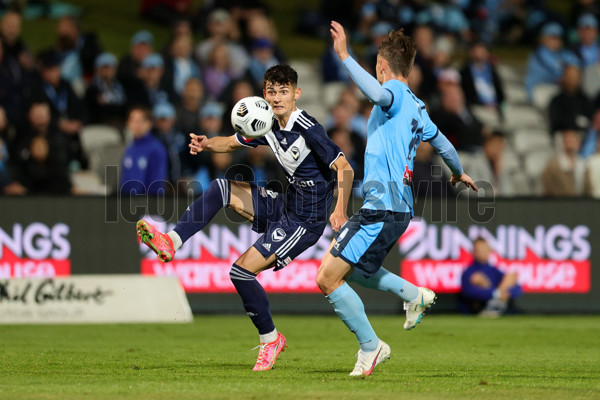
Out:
{"x": 366, "y": 362}
{"x": 416, "y": 309}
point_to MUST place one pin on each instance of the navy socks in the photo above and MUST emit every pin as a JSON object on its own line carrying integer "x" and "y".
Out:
{"x": 254, "y": 297}
{"x": 203, "y": 209}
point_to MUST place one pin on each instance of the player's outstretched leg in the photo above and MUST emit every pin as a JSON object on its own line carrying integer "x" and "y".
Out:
{"x": 417, "y": 300}
{"x": 351, "y": 310}
{"x": 196, "y": 217}
{"x": 256, "y": 304}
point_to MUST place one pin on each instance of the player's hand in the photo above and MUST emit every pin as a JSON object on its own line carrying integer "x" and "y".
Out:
{"x": 339, "y": 40}
{"x": 464, "y": 178}
{"x": 337, "y": 220}
{"x": 198, "y": 143}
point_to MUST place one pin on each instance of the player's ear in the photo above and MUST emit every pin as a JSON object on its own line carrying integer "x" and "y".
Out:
{"x": 297, "y": 94}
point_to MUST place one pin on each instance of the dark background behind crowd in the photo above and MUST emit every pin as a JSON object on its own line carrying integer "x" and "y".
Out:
{"x": 524, "y": 127}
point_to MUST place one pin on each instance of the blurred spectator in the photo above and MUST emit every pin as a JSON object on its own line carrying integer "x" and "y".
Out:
{"x": 332, "y": 68}
{"x": 155, "y": 91}
{"x": 424, "y": 40}
{"x": 11, "y": 87}
{"x": 219, "y": 27}
{"x": 259, "y": 167}
{"x": 378, "y": 33}
{"x": 8, "y": 185}
{"x": 263, "y": 58}
{"x": 142, "y": 43}
{"x": 145, "y": 162}
{"x": 211, "y": 124}
{"x": 42, "y": 152}
{"x": 456, "y": 122}
{"x": 590, "y": 140}
{"x": 593, "y": 174}
{"x": 191, "y": 102}
{"x": 166, "y": 11}
{"x": 570, "y": 109}
{"x": 581, "y": 7}
{"x": 180, "y": 66}
{"x": 352, "y": 146}
{"x": 442, "y": 55}
{"x": 480, "y": 80}
{"x": 217, "y": 167}
{"x": 496, "y": 171}
{"x": 218, "y": 72}
{"x": 173, "y": 140}
{"x": 67, "y": 110}
{"x": 10, "y": 35}
{"x": 415, "y": 81}
{"x": 342, "y": 116}
{"x": 564, "y": 174}
{"x": 587, "y": 49}
{"x": 428, "y": 179}
{"x": 105, "y": 97}
{"x": 78, "y": 51}
{"x": 259, "y": 27}
{"x": 485, "y": 290}
{"x": 546, "y": 64}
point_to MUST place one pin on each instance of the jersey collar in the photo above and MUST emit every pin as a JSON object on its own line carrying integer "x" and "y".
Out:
{"x": 293, "y": 117}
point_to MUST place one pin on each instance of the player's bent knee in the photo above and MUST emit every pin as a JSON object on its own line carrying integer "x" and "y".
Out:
{"x": 326, "y": 282}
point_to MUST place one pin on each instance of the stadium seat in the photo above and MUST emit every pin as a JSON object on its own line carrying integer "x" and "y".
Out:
{"x": 535, "y": 163}
{"x": 104, "y": 147}
{"x": 543, "y": 94}
{"x": 331, "y": 93}
{"x": 489, "y": 117}
{"x": 510, "y": 73}
{"x": 515, "y": 94}
{"x": 527, "y": 140}
{"x": 94, "y": 136}
{"x": 519, "y": 117}
{"x": 87, "y": 183}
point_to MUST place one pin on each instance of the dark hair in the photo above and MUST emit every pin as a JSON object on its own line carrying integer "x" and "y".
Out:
{"x": 146, "y": 113}
{"x": 399, "y": 51}
{"x": 282, "y": 74}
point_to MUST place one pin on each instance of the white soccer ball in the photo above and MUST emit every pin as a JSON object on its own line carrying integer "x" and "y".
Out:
{"x": 252, "y": 117}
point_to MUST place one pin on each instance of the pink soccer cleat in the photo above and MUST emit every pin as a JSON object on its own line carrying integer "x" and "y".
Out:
{"x": 159, "y": 242}
{"x": 268, "y": 353}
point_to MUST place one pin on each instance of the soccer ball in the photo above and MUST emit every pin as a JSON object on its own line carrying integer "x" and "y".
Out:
{"x": 252, "y": 117}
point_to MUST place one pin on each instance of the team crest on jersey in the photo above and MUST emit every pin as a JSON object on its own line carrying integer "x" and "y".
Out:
{"x": 295, "y": 152}
{"x": 278, "y": 235}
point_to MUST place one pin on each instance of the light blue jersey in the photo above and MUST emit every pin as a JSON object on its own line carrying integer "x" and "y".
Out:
{"x": 394, "y": 133}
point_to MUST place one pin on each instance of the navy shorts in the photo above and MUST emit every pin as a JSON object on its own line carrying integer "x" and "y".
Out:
{"x": 368, "y": 236}
{"x": 282, "y": 236}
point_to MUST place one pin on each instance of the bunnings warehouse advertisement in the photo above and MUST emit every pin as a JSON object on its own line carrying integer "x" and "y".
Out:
{"x": 549, "y": 243}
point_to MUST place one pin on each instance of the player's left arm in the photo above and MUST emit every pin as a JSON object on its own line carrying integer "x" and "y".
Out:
{"x": 444, "y": 148}
{"x": 345, "y": 179}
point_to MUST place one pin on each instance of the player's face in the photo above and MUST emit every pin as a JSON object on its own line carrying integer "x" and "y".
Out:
{"x": 481, "y": 251}
{"x": 282, "y": 98}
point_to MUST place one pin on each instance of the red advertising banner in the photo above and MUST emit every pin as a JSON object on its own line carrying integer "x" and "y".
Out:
{"x": 553, "y": 259}
{"x": 203, "y": 263}
{"x": 35, "y": 251}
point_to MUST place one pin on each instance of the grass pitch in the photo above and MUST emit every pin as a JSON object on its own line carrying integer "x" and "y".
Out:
{"x": 449, "y": 357}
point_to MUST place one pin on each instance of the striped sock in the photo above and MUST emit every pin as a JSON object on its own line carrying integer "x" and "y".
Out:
{"x": 254, "y": 297}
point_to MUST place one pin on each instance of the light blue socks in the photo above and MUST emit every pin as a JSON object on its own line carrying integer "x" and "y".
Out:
{"x": 386, "y": 281}
{"x": 349, "y": 307}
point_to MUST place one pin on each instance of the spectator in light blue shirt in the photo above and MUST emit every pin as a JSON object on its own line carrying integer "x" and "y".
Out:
{"x": 587, "y": 49}
{"x": 547, "y": 62}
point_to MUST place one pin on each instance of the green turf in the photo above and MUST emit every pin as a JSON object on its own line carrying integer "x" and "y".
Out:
{"x": 448, "y": 357}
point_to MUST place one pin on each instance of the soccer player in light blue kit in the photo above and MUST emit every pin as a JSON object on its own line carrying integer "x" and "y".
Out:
{"x": 398, "y": 123}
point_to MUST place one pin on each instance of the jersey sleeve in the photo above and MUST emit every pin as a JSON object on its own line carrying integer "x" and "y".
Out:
{"x": 318, "y": 141}
{"x": 430, "y": 130}
{"x": 248, "y": 142}
{"x": 395, "y": 89}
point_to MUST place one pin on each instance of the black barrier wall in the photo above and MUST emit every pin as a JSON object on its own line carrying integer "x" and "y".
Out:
{"x": 553, "y": 244}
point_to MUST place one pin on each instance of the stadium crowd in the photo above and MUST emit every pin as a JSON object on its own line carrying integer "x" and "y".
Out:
{"x": 531, "y": 131}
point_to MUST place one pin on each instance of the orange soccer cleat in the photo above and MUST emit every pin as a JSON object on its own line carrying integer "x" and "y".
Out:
{"x": 159, "y": 242}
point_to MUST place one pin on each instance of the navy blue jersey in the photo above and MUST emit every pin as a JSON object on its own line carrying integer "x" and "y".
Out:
{"x": 306, "y": 154}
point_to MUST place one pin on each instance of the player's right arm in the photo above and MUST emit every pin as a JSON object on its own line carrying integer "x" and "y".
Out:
{"x": 365, "y": 81}
{"x": 217, "y": 144}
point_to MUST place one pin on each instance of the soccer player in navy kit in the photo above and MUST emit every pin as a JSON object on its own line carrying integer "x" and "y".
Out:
{"x": 396, "y": 126}
{"x": 290, "y": 222}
